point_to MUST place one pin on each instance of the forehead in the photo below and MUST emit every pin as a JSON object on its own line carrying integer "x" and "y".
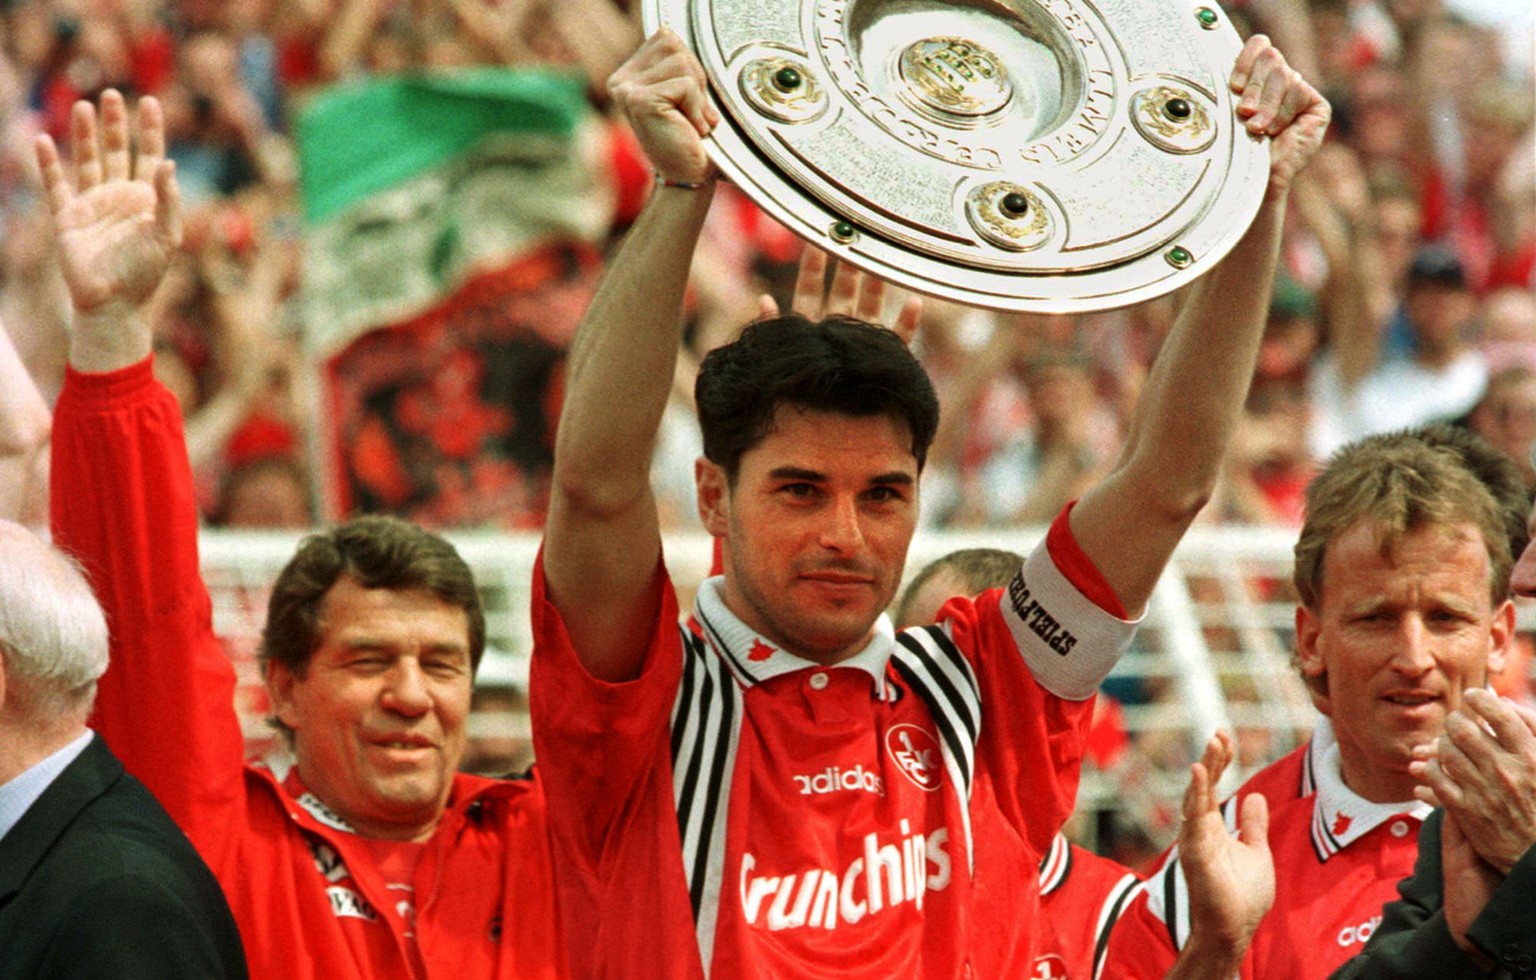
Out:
{"x": 1450, "y": 559}
{"x": 351, "y": 612}
{"x": 833, "y": 443}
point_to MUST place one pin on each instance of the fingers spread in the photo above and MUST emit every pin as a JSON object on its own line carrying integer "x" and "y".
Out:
{"x": 83, "y": 144}
{"x": 151, "y": 138}
{"x": 907, "y": 320}
{"x": 810, "y": 280}
{"x": 844, "y": 293}
{"x": 114, "y": 135}
{"x": 167, "y": 204}
{"x": 871, "y": 302}
{"x": 55, "y": 185}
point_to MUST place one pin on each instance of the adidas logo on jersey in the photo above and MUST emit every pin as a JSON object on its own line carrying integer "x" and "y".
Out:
{"x": 886, "y": 876}
{"x": 833, "y": 780}
{"x": 1350, "y": 935}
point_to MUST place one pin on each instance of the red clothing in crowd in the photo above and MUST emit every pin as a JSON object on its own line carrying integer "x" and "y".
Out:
{"x": 1081, "y": 896}
{"x": 1338, "y": 859}
{"x": 310, "y": 897}
{"x": 741, "y": 812}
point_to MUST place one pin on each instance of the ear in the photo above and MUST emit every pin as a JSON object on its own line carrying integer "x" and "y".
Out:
{"x": 714, "y": 493}
{"x": 1309, "y": 627}
{"x": 280, "y": 691}
{"x": 1501, "y": 638}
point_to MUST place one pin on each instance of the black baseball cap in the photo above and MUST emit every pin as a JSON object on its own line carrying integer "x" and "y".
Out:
{"x": 1436, "y": 264}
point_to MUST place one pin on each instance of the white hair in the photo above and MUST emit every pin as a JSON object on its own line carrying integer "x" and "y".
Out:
{"x": 53, "y": 633}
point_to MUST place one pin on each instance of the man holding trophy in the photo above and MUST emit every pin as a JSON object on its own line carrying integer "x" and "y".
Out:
{"x": 784, "y": 786}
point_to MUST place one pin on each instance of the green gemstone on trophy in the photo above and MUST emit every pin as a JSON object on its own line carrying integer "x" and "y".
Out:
{"x": 843, "y": 231}
{"x": 1179, "y": 256}
{"x": 787, "y": 78}
{"x": 1177, "y": 108}
{"x": 1206, "y": 16}
{"x": 1014, "y": 204}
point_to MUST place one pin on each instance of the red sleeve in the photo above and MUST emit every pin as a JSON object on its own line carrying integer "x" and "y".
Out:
{"x": 600, "y": 745}
{"x": 122, "y": 503}
{"x": 1031, "y": 742}
{"x": 1078, "y": 568}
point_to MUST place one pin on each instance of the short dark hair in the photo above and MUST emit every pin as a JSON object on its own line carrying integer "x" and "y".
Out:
{"x": 838, "y": 364}
{"x": 378, "y": 552}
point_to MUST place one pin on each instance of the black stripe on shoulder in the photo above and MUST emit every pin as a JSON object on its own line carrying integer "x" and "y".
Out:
{"x": 714, "y": 791}
{"x": 695, "y": 761}
{"x": 1101, "y": 943}
{"x": 940, "y": 682}
{"x": 691, "y": 669}
{"x": 947, "y": 646}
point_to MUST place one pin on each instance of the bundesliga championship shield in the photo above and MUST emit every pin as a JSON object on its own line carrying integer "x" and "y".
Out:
{"x": 1053, "y": 156}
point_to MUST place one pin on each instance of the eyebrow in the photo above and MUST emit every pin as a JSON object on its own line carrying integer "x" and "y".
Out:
{"x": 897, "y": 477}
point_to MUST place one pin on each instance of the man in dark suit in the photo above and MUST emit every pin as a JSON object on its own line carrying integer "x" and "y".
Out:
{"x": 95, "y": 879}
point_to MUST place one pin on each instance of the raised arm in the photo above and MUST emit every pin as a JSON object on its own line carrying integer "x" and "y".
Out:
{"x": 1131, "y": 521}
{"x": 122, "y": 499}
{"x": 602, "y": 542}
{"x": 24, "y": 430}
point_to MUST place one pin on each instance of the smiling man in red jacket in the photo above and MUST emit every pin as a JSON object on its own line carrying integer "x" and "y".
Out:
{"x": 369, "y": 856}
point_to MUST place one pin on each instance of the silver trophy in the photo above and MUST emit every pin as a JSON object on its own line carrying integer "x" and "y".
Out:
{"x": 1053, "y": 156}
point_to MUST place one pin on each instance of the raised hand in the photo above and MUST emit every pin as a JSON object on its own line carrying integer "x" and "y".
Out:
{"x": 852, "y": 293}
{"x": 1231, "y": 879}
{"x": 1276, "y": 101}
{"x": 119, "y": 221}
{"x": 661, "y": 91}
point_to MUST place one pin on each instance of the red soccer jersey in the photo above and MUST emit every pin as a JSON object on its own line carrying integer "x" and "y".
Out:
{"x": 738, "y": 811}
{"x": 1081, "y": 896}
{"x": 1338, "y": 859}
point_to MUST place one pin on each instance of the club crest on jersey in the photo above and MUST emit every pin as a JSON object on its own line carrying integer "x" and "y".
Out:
{"x": 1341, "y": 822}
{"x": 916, "y": 753}
{"x": 1050, "y": 967}
{"x": 760, "y": 651}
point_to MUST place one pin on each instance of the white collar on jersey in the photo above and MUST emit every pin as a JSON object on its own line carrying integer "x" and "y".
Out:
{"x": 1340, "y": 816}
{"x": 1322, "y": 740}
{"x": 753, "y": 659}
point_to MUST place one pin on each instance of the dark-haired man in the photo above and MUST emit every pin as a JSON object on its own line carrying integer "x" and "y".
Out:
{"x": 369, "y": 856}
{"x": 791, "y": 789}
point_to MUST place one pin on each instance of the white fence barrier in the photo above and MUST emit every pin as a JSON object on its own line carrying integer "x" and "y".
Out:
{"x": 1213, "y": 652}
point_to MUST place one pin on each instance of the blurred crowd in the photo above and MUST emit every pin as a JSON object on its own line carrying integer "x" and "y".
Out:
{"x": 1407, "y": 295}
